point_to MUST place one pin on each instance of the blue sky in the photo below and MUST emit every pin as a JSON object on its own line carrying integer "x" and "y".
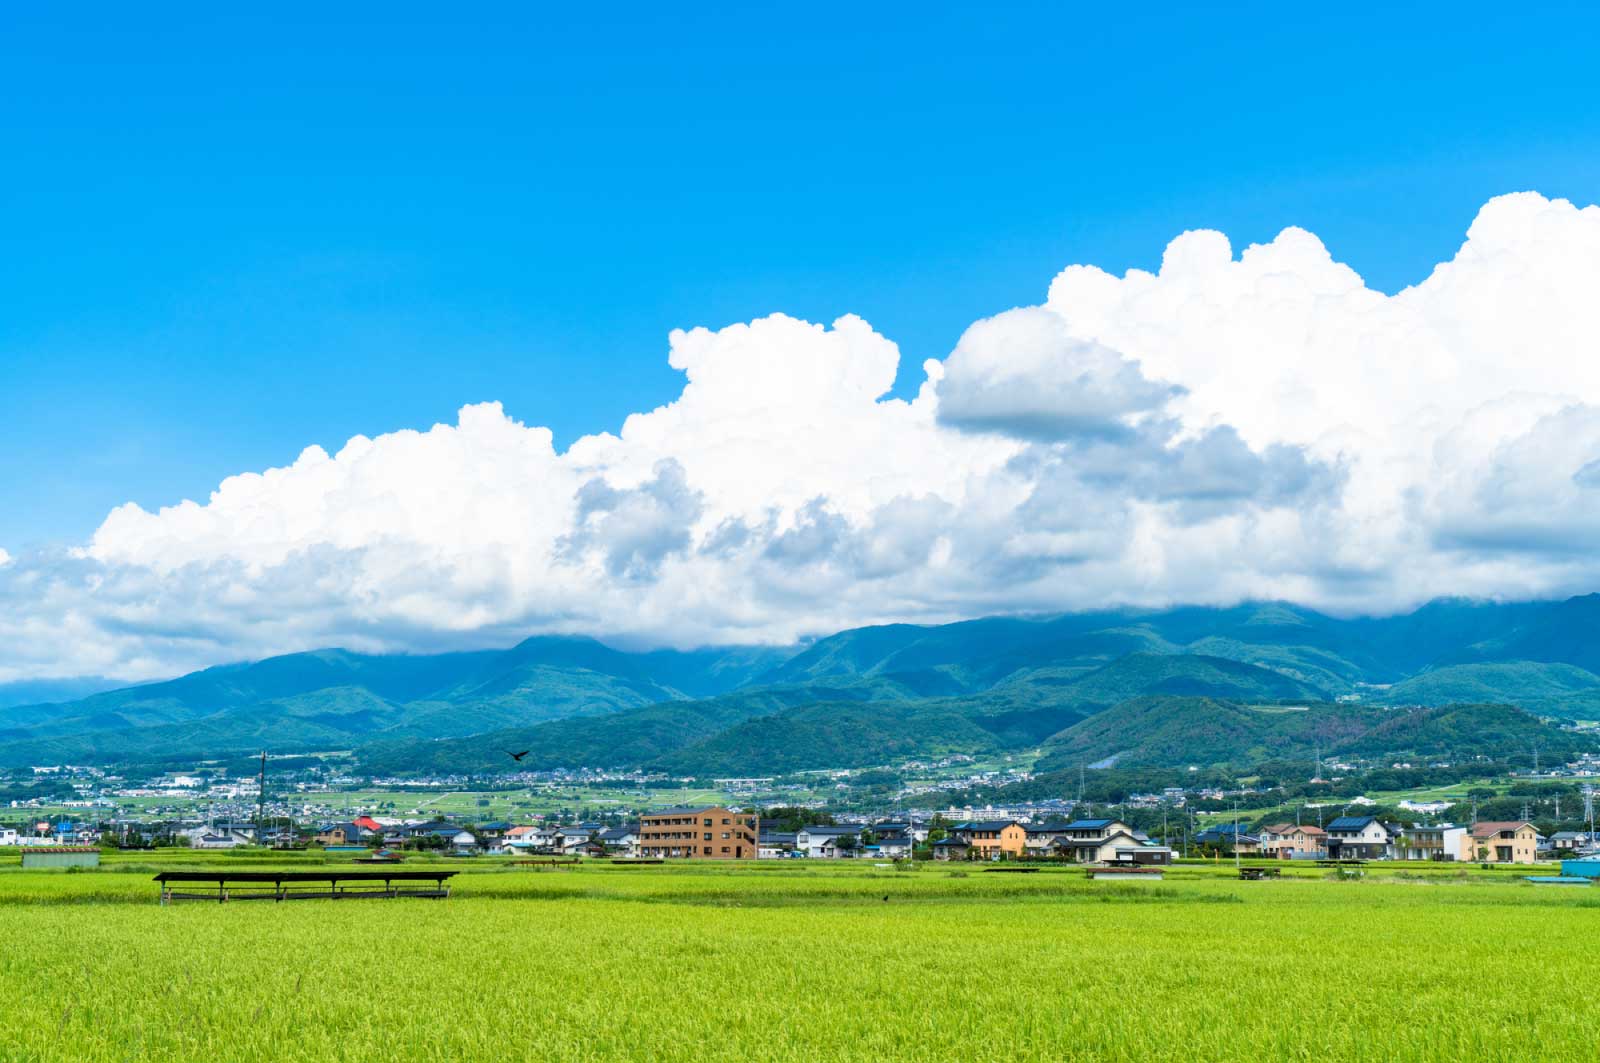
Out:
{"x": 227, "y": 236}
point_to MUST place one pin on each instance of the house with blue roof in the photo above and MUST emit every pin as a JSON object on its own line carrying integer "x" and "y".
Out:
{"x": 1358, "y": 838}
{"x": 1231, "y": 837}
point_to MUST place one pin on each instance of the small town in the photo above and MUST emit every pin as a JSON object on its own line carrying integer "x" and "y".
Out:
{"x": 799, "y": 533}
{"x": 715, "y": 832}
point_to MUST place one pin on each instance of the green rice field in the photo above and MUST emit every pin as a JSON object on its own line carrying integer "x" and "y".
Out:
{"x": 790, "y": 961}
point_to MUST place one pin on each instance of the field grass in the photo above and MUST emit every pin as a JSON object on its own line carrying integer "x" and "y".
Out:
{"x": 789, "y": 961}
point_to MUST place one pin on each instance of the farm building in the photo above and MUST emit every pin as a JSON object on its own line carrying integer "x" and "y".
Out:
{"x": 43, "y": 856}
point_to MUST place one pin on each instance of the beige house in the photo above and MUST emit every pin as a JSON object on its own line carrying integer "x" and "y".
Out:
{"x": 1502, "y": 842}
{"x": 1284, "y": 841}
{"x": 988, "y": 839}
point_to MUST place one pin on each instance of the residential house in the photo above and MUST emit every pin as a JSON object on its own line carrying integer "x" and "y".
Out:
{"x": 340, "y": 834}
{"x": 775, "y": 844}
{"x": 951, "y": 847}
{"x": 888, "y": 847}
{"x": 899, "y": 827}
{"x": 619, "y": 841}
{"x": 1358, "y": 838}
{"x": 1289, "y": 841}
{"x": 989, "y": 839}
{"x": 823, "y": 842}
{"x": 570, "y": 841}
{"x": 1429, "y": 842}
{"x": 1106, "y": 841}
{"x": 397, "y": 834}
{"x": 1234, "y": 839}
{"x": 450, "y": 835}
{"x": 709, "y": 832}
{"x": 459, "y": 840}
{"x": 1041, "y": 837}
{"x": 527, "y": 838}
{"x": 9, "y": 836}
{"x": 1502, "y": 842}
{"x": 491, "y": 833}
{"x": 206, "y": 838}
{"x": 1562, "y": 841}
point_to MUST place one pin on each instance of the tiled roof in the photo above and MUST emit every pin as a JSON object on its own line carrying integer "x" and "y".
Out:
{"x": 1490, "y": 828}
{"x": 986, "y": 824}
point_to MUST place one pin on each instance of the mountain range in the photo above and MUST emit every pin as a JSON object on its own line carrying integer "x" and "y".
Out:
{"x": 1153, "y": 687}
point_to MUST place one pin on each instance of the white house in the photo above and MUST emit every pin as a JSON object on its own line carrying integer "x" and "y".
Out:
{"x": 461, "y": 841}
{"x": 9, "y": 836}
{"x": 569, "y": 840}
{"x": 822, "y": 842}
{"x": 526, "y": 838}
{"x": 1358, "y": 838}
{"x": 890, "y": 847}
{"x": 620, "y": 840}
{"x": 206, "y": 838}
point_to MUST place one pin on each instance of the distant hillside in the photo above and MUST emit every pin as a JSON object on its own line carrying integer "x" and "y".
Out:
{"x": 1559, "y": 633}
{"x": 850, "y": 722}
{"x": 995, "y": 683}
{"x": 832, "y": 735}
{"x": 336, "y": 699}
{"x": 44, "y": 692}
{"x": 1141, "y": 674}
{"x": 632, "y": 738}
{"x": 1553, "y": 689}
{"x": 1178, "y": 731}
{"x": 1453, "y": 731}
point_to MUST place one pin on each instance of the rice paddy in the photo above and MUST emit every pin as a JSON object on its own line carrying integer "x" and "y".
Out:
{"x": 790, "y": 961}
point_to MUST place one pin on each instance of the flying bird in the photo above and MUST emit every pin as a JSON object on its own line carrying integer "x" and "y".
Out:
{"x": 518, "y": 756}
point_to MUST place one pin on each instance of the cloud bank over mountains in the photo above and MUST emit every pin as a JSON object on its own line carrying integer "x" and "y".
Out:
{"x": 1259, "y": 426}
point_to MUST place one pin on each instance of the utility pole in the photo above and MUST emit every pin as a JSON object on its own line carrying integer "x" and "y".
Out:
{"x": 1236, "y": 833}
{"x": 1588, "y": 811}
{"x": 261, "y": 801}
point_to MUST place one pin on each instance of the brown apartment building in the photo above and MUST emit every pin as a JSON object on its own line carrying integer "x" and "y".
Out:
{"x": 712, "y": 832}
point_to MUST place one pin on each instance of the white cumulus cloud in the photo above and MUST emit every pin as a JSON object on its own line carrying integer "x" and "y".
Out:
{"x": 1231, "y": 426}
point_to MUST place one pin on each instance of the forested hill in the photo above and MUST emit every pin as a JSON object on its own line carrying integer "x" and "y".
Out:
{"x": 1132, "y": 684}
